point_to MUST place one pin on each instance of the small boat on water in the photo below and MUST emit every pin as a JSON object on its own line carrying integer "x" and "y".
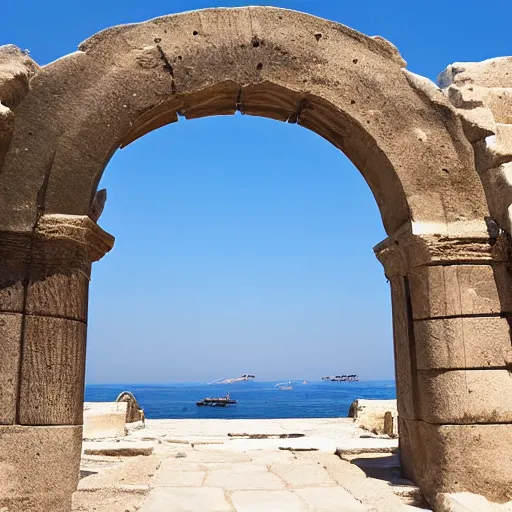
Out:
{"x": 285, "y": 385}
{"x": 342, "y": 378}
{"x": 217, "y": 402}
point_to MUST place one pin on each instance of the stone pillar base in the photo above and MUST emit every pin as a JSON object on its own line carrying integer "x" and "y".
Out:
{"x": 458, "y": 458}
{"x": 39, "y": 467}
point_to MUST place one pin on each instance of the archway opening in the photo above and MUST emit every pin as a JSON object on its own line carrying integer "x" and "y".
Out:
{"x": 251, "y": 255}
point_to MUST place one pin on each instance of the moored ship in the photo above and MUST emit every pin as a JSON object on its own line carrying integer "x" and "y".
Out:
{"x": 342, "y": 378}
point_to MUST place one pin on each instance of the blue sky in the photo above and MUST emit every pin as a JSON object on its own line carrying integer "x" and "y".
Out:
{"x": 244, "y": 244}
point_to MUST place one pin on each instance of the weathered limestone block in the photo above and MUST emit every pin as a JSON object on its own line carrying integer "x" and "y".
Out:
{"x": 134, "y": 411}
{"x": 10, "y": 344}
{"x": 494, "y": 150}
{"x": 62, "y": 292}
{"x": 16, "y": 69}
{"x": 488, "y": 73}
{"x": 498, "y": 181}
{"x": 467, "y": 502}
{"x": 478, "y": 123}
{"x": 458, "y": 458}
{"x": 466, "y": 396}
{"x": 474, "y": 342}
{"x": 405, "y": 370}
{"x": 476, "y": 87}
{"x": 369, "y": 414}
{"x": 104, "y": 419}
{"x": 52, "y": 371}
{"x": 438, "y": 291}
{"x": 39, "y": 468}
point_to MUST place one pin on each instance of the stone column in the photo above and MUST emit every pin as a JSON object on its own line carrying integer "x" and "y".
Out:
{"x": 44, "y": 281}
{"x": 452, "y": 305}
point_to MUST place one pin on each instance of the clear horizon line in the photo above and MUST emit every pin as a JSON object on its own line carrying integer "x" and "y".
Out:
{"x": 215, "y": 382}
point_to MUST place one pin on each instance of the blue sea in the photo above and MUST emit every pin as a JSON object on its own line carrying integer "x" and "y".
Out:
{"x": 314, "y": 399}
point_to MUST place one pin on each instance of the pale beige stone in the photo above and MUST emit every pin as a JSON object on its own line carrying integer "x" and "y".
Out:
{"x": 466, "y": 396}
{"x": 478, "y": 123}
{"x": 439, "y": 291}
{"x": 107, "y": 500}
{"x": 303, "y": 474}
{"x": 175, "y": 478}
{"x": 330, "y": 500}
{"x": 116, "y": 448}
{"x": 137, "y": 471}
{"x": 228, "y": 479}
{"x": 476, "y": 458}
{"x": 269, "y": 501}
{"x": 39, "y": 467}
{"x": 165, "y": 499}
{"x": 369, "y": 414}
{"x": 104, "y": 419}
{"x": 474, "y": 342}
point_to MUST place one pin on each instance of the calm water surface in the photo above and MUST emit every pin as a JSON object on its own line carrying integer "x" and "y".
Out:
{"x": 254, "y": 399}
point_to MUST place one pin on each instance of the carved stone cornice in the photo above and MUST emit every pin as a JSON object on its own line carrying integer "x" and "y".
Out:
{"x": 58, "y": 240}
{"x": 401, "y": 252}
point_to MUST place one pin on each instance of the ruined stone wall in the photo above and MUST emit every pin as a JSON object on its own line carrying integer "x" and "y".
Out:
{"x": 482, "y": 94}
{"x": 16, "y": 69}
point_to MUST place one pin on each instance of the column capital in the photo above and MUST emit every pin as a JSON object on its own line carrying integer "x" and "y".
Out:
{"x": 58, "y": 240}
{"x": 405, "y": 250}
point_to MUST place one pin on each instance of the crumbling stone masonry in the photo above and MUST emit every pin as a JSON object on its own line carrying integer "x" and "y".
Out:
{"x": 436, "y": 159}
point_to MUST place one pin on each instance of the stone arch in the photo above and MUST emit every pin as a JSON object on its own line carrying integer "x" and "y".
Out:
{"x": 349, "y": 88}
{"x": 448, "y": 270}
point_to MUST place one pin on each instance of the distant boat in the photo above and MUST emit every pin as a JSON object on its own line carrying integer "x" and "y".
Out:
{"x": 217, "y": 402}
{"x": 284, "y": 385}
{"x": 342, "y": 378}
{"x": 244, "y": 377}
{"x": 304, "y": 382}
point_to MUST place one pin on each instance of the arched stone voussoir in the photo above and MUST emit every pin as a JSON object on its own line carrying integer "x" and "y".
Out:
{"x": 345, "y": 86}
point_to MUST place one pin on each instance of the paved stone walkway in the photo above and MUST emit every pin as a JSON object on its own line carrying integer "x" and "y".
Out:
{"x": 216, "y": 473}
{"x": 260, "y": 482}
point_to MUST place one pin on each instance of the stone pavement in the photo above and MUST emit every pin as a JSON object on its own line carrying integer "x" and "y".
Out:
{"x": 213, "y": 473}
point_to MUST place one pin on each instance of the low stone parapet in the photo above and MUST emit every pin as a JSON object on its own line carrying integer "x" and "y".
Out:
{"x": 377, "y": 416}
{"x": 104, "y": 419}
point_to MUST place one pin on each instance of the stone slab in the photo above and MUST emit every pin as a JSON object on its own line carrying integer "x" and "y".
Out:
{"x": 104, "y": 419}
{"x": 10, "y": 345}
{"x": 439, "y": 291}
{"x": 334, "y": 499}
{"x": 39, "y": 467}
{"x": 118, "y": 448}
{"x": 268, "y": 501}
{"x": 466, "y": 396}
{"x": 166, "y": 499}
{"x": 229, "y": 480}
{"x": 175, "y": 478}
{"x": 136, "y": 471}
{"x": 303, "y": 474}
{"x": 462, "y": 343}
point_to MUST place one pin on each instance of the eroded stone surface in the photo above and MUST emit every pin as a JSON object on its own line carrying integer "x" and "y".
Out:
{"x": 49, "y": 458}
{"x": 164, "y": 499}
